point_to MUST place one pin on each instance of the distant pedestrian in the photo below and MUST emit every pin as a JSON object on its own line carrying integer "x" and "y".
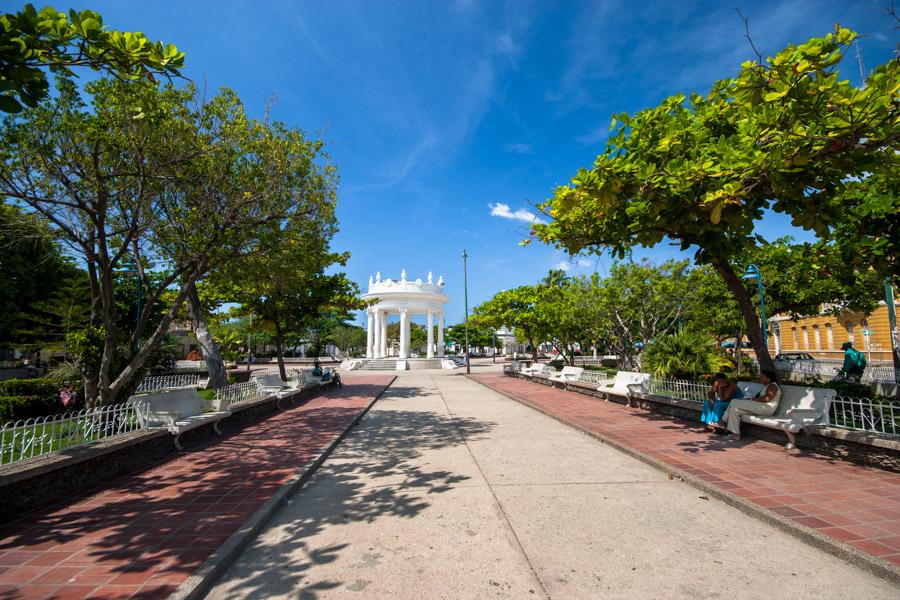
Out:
{"x": 854, "y": 363}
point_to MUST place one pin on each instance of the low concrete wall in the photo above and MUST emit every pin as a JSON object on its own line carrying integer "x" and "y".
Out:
{"x": 46, "y": 479}
{"x": 833, "y": 442}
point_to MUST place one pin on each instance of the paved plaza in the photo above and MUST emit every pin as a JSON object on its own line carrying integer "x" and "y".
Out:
{"x": 142, "y": 535}
{"x": 851, "y": 503}
{"x": 447, "y": 489}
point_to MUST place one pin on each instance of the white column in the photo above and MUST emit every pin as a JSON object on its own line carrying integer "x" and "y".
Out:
{"x": 440, "y": 344}
{"x": 376, "y": 334}
{"x": 404, "y": 328}
{"x": 383, "y": 345}
{"x": 370, "y": 334}
{"x": 430, "y": 351}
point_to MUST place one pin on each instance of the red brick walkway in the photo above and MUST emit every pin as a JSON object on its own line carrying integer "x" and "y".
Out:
{"x": 854, "y": 504}
{"x": 141, "y": 535}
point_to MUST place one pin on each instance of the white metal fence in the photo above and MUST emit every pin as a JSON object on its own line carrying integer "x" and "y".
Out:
{"x": 598, "y": 377}
{"x": 791, "y": 370}
{"x": 881, "y": 375}
{"x": 681, "y": 389}
{"x": 162, "y": 382}
{"x": 866, "y": 414}
{"x": 238, "y": 393}
{"x": 33, "y": 437}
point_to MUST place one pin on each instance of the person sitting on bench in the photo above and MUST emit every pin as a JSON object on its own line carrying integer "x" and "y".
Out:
{"x": 765, "y": 403}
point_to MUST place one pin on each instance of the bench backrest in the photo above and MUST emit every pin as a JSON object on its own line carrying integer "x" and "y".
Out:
{"x": 539, "y": 368}
{"x": 270, "y": 380}
{"x": 626, "y": 378}
{"x": 185, "y": 402}
{"x": 795, "y": 396}
{"x": 749, "y": 389}
{"x": 571, "y": 372}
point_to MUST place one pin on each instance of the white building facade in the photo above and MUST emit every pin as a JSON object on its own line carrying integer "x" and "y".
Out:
{"x": 405, "y": 298}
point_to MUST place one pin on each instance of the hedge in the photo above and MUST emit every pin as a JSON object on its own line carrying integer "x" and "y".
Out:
{"x": 29, "y": 398}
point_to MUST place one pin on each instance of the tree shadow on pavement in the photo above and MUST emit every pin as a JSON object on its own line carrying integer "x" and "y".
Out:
{"x": 161, "y": 523}
{"x": 376, "y": 472}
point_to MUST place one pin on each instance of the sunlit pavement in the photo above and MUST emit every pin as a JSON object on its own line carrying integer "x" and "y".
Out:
{"x": 447, "y": 489}
{"x": 141, "y": 535}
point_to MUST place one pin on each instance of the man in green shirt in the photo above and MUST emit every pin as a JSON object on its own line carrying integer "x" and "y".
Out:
{"x": 854, "y": 363}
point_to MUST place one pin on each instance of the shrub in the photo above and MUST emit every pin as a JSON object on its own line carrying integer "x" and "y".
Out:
{"x": 685, "y": 354}
{"x": 28, "y": 398}
{"x": 13, "y": 408}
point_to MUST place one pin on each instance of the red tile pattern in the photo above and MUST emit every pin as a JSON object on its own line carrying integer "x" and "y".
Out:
{"x": 851, "y": 503}
{"x": 141, "y": 535}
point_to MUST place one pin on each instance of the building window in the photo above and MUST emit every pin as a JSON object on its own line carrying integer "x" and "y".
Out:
{"x": 817, "y": 336}
{"x": 805, "y": 337}
{"x": 794, "y": 334}
{"x": 829, "y": 336}
{"x": 850, "y": 335}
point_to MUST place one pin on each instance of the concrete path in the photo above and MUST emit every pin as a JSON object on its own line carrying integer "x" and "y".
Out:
{"x": 447, "y": 489}
{"x": 849, "y": 503}
{"x": 143, "y": 534}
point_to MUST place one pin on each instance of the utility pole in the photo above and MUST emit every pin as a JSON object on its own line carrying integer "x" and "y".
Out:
{"x": 892, "y": 323}
{"x": 466, "y": 297}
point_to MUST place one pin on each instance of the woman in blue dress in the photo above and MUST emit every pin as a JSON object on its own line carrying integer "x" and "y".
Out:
{"x": 718, "y": 398}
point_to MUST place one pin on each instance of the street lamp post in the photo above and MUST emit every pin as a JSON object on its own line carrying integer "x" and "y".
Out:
{"x": 752, "y": 272}
{"x": 466, "y": 298}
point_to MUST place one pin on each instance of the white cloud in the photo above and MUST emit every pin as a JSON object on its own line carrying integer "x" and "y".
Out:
{"x": 563, "y": 266}
{"x": 502, "y": 210}
{"x": 583, "y": 262}
{"x": 518, "y": 148}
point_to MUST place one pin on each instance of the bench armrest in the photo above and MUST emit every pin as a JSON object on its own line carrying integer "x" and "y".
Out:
{"x": 636, "y": 388}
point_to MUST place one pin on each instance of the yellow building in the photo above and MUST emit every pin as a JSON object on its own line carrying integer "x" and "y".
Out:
{"x": 823, "y": 334}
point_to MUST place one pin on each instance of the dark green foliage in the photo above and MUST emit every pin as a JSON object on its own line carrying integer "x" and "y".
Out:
{"x": 29, "y": 398}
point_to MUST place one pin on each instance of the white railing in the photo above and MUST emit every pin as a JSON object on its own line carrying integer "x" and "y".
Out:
{"x": 881, "y": 375}
{"x": 598, "y": 377}
{"x": 238, "y": 393}
{"x": 681, "y": 389}
{"x": 829, "y": 371}
{"x": 866, "y": 414}
{"x": 33, "y": 437}
{"x": 163, "y": 382}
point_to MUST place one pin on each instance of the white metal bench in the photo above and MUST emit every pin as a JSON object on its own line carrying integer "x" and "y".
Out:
{"x": 306, "y": 377}
{"x": 537, "y": 368}
{"x": 749, "y": 389}
{"x": 568, "y": 374}
{"x": 179, "y": 411}
{"x": 272, "y": 383}
{"x": 799, "y": 407}
{"x": 626, "y": 384}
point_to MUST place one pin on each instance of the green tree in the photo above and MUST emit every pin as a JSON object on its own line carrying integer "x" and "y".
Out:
{"x": 514, "y": 309}
{"x": 784, "y": 135}
{"x": 351, "y": 339}
{"x": 684, "y": 354}
{"x": 172, "y": 194}
{"x": 31, "y": 42}
{"x": 31, "y": 269}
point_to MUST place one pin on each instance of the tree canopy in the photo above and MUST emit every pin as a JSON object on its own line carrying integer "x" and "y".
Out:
{"x": 786, "y": 134}
{"x": 33, "y": 41}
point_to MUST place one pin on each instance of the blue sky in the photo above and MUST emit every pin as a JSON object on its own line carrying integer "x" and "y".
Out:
{"x": 439, "y": 114}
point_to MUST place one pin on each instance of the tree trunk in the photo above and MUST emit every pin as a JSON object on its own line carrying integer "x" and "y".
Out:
{"x": 279, "y": 349}
{"x": 214, "y": 362}
{"x": 748, "y": 312}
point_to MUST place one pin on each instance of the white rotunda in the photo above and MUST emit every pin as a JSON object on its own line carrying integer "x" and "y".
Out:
{"x": 406, "y": 298}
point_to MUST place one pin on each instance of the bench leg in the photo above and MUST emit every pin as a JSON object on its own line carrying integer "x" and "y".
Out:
{"x": 792, "y": 440}
{"x": 178, "y": 442}
{"x": 216, "y": 428}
